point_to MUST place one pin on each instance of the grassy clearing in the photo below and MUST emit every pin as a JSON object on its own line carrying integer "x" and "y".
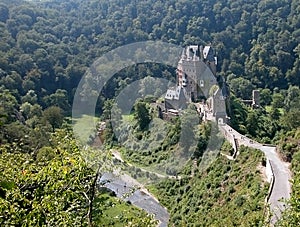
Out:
{"x": 128, "y": 118}
{"x": 118, "y": 213}
{"x": 84, "y": 126}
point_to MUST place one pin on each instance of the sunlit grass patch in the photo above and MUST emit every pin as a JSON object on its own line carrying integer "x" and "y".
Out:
{"x": 84, "y": 127}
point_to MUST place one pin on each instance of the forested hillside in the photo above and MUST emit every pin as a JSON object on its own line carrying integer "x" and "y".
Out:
{"x": 226, "y": 194}
{"x": 46, "y": 47}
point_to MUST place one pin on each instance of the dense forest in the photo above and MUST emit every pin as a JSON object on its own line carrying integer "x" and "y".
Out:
{"x": 47, "y": 46}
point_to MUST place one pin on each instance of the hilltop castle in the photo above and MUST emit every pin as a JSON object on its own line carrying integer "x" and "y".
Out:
{"x": 196, "y": 80}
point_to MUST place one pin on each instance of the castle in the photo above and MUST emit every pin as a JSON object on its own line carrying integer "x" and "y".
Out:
{"x": 196, "y": 80}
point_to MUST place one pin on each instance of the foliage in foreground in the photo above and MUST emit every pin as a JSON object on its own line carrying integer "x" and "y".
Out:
{"x": 56, "y": 187}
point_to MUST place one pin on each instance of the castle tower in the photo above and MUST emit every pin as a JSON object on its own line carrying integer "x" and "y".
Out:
{"x": 210, "y": 59}
{"x": 255, "y": 99}
{"x": 196, "y": 76}
{"x": 191, "y": 71}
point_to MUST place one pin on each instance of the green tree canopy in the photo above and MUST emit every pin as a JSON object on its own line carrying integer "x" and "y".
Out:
{"x": 142, "y": 115}
{"x": 53, "y": 115}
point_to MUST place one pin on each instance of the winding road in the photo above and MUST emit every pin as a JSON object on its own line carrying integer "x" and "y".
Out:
{"x": 131, "y": 190}
{"x": 281, "y": 183}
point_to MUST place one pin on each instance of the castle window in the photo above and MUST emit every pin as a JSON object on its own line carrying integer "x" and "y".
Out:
{"x": 201, "y": 83}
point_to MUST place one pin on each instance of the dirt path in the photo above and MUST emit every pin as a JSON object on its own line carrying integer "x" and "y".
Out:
{"x": 116, "y": 154}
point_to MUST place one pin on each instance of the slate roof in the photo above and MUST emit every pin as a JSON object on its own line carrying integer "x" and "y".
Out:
{"x": 208, "y": 53}
{"x": 173, "y": 94}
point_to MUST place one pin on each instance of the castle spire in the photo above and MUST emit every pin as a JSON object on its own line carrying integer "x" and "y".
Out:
{"x": 183, "y": 54}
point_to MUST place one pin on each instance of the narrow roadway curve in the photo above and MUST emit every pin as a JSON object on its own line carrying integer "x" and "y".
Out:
{"x": 131, "y": 190}
{"x": 282, "y": 176}
{"x": 282, "y": 188}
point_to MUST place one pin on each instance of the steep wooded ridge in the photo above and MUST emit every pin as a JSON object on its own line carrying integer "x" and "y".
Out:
{"x": 45, "y": 48}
